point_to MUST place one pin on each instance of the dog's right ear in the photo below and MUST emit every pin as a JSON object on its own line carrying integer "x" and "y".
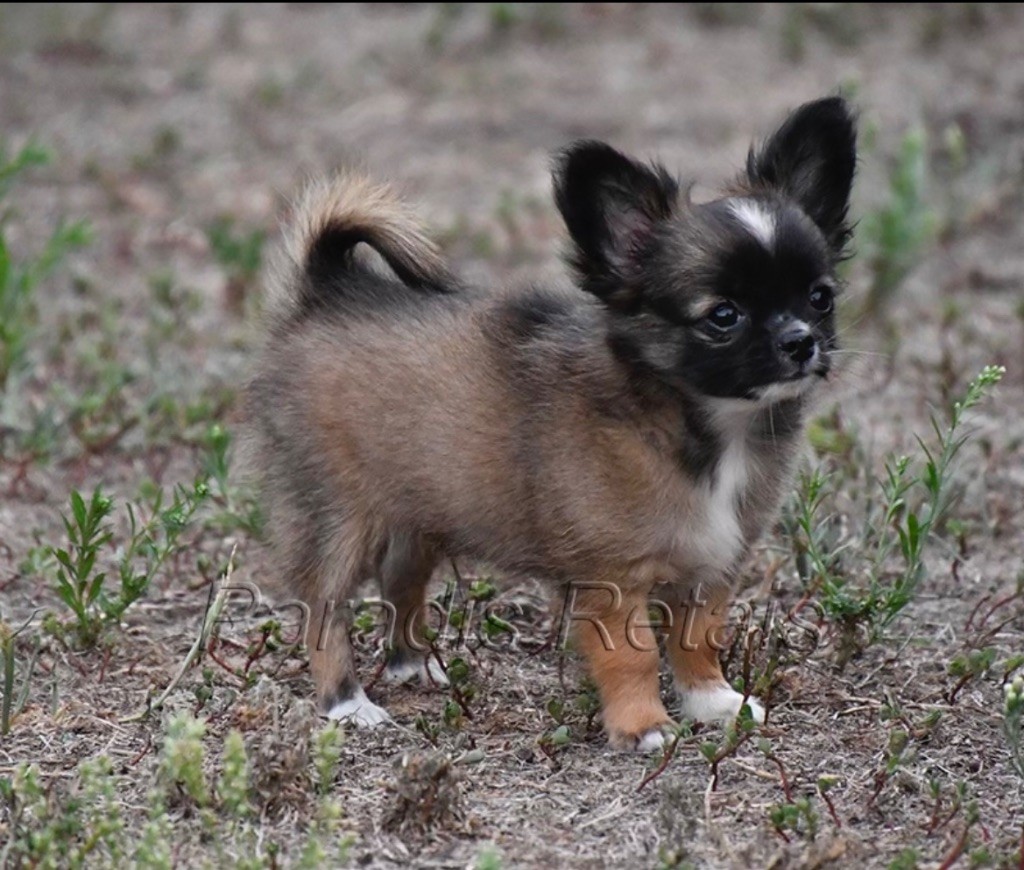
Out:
{"x": 611, "y": 206}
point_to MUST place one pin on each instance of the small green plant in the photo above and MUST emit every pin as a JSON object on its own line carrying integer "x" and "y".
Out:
{"x": 903, "y": 737}
{"x": 99, "y": 411}
{"x": 488, "y": 859}
{"x": 866, "y": 580}
{"x": 797, "y": 817}
{"x": 233, "y": 790}
{"x": 152, "y": 542}
{"x": 169, "y": 318}
{"x": 20, "y": 277}
{"x": 552, "y": 741}
{"x": 969, "y": 666}
{"x": 240, "y": 255}
{"x": 79, "y": 584}
{"x": 81, "y": 824}
{"x": 84, "y": 827}
{"x": 461, "y": 692}
{"x": 503, "y": 17}
{"x": 181, "y": 763}
{"x": 735, "y": 734}
{"x": 896, "y": 233}
{"x": 908, "y": 859}
{"x": 588, "y": 701}
{"x": 326, "y": 754}
{"x": 83, "y": 587}
{"x": 676, "y": 735}
{"x": 239, "y": 508}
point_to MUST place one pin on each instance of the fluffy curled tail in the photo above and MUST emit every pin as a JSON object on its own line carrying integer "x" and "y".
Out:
{"x": 333, "y": 216}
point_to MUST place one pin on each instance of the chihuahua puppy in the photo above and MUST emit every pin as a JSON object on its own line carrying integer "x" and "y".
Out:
{"x": 634, "y": 431}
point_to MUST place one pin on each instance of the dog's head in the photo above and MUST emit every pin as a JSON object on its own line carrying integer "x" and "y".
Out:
{"x": 732, "y": 298}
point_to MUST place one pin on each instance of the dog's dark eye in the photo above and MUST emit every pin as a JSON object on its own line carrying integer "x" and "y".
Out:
{"x": 725, "y": 316}
{"x": 821, "y": 297}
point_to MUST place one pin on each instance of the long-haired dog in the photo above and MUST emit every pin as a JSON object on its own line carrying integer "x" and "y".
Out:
{"x": 634, "y": 431}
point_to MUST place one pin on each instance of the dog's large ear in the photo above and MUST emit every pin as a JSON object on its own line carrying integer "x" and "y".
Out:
{"x": 811, "y": 158}
{"x": 611, "y": 206}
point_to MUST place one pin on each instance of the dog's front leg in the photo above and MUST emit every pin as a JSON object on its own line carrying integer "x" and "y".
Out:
{"x": 699, "y": 632}
{"x": 612, "y": 629}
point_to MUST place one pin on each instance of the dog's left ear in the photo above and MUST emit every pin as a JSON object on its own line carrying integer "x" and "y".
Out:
{"x": 611, "y": 206}
{"x": 811, "y": 158}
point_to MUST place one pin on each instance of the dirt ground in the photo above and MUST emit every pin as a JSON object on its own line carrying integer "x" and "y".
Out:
{"x": 164, "y": 119}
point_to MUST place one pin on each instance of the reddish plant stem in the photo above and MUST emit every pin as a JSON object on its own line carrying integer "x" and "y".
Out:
{"x": 670, "y": 752}
{"x": 953, "y": 855}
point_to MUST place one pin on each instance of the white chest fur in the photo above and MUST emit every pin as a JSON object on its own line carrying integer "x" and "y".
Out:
{"x": 708, "y": 534}
{"x": 721, "y": 537}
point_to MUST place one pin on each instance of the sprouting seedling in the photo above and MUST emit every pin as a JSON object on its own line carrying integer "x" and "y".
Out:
{"x": 79, "y": 584}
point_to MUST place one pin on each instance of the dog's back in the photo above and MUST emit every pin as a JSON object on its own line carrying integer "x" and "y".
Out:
{"x": 385, "y": 404}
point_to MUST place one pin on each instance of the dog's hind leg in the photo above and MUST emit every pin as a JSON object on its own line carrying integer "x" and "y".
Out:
{"x": 408, "y": 563}
{"x": 327, "y": 636}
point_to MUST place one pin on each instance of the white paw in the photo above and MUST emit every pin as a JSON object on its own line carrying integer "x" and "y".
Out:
{"x": 425, "y": 671}
{"x": 716, "y": 703}
{"x": 652, "y": 741}
{"x": 359, "y": 711}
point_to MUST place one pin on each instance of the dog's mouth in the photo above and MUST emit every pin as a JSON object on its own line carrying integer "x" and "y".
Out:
{"x": 792, "y": 386}
{"x": 819, "y": 371}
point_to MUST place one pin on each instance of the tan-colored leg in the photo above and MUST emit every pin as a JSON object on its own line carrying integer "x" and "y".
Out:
{"x": 699, "y": 632}
{"x": 330, "y": 659}
{"x": 697, "y": 635}
{"x": 610, "y": 628}
{"x": 330, "y": 656}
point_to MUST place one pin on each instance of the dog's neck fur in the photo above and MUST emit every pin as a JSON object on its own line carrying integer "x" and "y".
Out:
{"x": 715, "y": 430}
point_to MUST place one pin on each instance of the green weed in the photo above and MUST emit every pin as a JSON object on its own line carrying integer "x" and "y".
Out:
{"x": 19, "y": 277}
{"x": 83, "y": 587}
{"x": 488, "y": 859}
{"x": 87, "y": 824}
{"x": 240, "y": 255}
{"x": 79, "y": 584}
{"x": 895, "y": 234}
{"x": 326, "y": 754}
{"x": 239, "y": 507}
{"x": 864, "y": 580}
{"x": 181, "y": 763}
{"x": 797, "y": 817}
{"x": 735, "y": 734}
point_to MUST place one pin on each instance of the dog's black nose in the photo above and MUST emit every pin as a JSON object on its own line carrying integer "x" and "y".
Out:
{"x": 797, "y": 343}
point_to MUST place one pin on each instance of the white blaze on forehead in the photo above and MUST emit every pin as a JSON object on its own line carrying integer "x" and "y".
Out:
{"x": 757, "y": 220}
